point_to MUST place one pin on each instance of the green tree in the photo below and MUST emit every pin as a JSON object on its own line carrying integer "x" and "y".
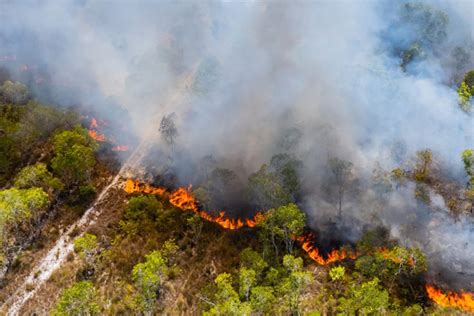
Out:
{"x": 468, "y": 160}
{"x": 252, "y": 260}
{"x": 86, "y": 245}
{"x": 367, "y": 298}
{"x": 265, "y": 189}
{"x": 337, "y": 273}
{"x": 282, "y": 224}
{"x": 74, "y": 160}
{"x": 262, "y": 299}
{"x": 149, "y": 277}
{"x": 247, "y": 279}
{"x": 466, "y": 91}
{"x": 15, "y": 92}
{"x": 37, "y": 176}
{"x": 227, "y": 299}
{"x": 17, "y": 205}
{"x": 78, "y": 300}
{"x": 297, "y": 281}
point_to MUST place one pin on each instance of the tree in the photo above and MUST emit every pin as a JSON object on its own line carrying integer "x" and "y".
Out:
{"x": 468, "y": 160}
{"x": 79, "y": 299}
{"x": 14, "y": 92}
{"x": 86, "y": 245}
{"x": 252, "y": 260}
{"x": 262, "y": 299}
{"x": 227, "y": 299}
{"x": 265, "y": 189}
{"x": 37, "y": 176}
{"x": 466, "y": 91}
{"x": 337, "y": 273}
{"x": 168, "y": 129}
{"x": 282, "y": 224}
{"x": 341, "y": 177}
{"x": 17, "y": 205}
{"x": 365, "y": 299}
{"x": 247, "y": 278}
{"x": 149, "y": 277}
{"x": 295, "y": 283}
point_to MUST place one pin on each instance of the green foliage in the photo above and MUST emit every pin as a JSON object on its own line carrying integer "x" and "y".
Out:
{"x": 266, "y": 191}
{"x": 252, "y": 260}
{"x": 282, "y": 224}
{"x": 365, "y": 299}
{"x": 247, "y": 278}
{"x": 37, "y": 176}
{"x": 143, "y": 206}
{"x": 74, "y": 160}
{"x": 15, "y": 92}
{"x": 227, "y": 299}
{"x": 17, "y": 205}
{"x": 79, "y": 299}
{"x": 86, "y": 245}
{"x": 337, "y": 273}
{"x": 466, "y": 91}
{"x": 292, "y": 286}
{"x": 262, "y": 299}
{"x": 150, "y": 275}
{"x": 468, "y": 160}
{"x": 423, "y": 165}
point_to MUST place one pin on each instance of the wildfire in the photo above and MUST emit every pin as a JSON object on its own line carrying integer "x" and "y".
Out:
{"x": 120, "y": 148}
{"x": 307, "y": 243}
{"x": 184, "y": 200}
{"x": 94, "y": 126}
{"x": 462, "y": 300}
{"x": 390, "y": 256}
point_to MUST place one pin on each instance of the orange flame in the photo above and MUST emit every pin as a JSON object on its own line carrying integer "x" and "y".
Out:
{"x": 120, "y": 148}
{"x": 93, "y": 133}
{"x": 390, "y": 256}
{"x": 307, "y": 243}
{"x": 98, "y": 137}
{"x": 462, "y": 300}
{"x": 184, "y": 200}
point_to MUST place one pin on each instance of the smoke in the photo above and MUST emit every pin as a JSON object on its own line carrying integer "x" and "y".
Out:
{"x": 250, "y": 80}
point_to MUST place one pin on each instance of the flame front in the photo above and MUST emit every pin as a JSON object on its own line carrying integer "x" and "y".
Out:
{"x": 184, "y": 200}
{"x": 462, "y": 300}
{"x": 307, "y": 243}
{"x": 93, "y": 131}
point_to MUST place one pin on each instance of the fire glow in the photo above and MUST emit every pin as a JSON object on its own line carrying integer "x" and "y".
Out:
{"x": 308, "y": 245}
{"x": 93, "y": 133}
{"x": 462, "y": 300}
{"x": 184, "y": 200}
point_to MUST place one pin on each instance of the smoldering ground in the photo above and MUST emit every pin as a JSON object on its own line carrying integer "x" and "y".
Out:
{"x": 313, "y": 80}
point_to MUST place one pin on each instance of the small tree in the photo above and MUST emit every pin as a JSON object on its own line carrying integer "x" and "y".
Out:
{"x": 79, "y": 299}
{"x": 341, "y": 177}
{"x": 282, "y": 224}
{"x": 247, "y": 278}
{"x": 74, "y": 160}
{"x": 227, "y": 299}
{"x": 86, "y": 245}
{"x": 168, "y": 129}
{"x": 37, "y": 176}
{"x": 15, "y": 92}
{"x": 365, "y": 299}
{"x": 149, "y": 277}
{"x": 293, "y": 286}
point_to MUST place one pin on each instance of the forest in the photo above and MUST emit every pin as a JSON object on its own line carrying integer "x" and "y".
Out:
{"x": 230, "y": 158}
